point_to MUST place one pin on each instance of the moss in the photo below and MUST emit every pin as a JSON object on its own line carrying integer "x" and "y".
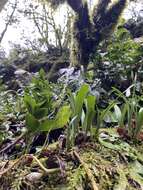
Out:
{"x": 111, "y": 168}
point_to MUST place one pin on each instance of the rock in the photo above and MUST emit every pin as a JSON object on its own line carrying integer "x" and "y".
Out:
{"x": 20, "y": 72}
{"x": 7, "y": 72}
{"x": 34, "y": 176}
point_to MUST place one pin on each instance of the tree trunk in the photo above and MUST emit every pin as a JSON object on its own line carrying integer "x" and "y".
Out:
{"x": 88, "y": 29}
{"x": 88, "y": 32}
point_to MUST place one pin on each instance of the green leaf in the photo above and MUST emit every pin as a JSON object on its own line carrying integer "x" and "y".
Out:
{"x": 48, "y": 125}
{"x": 125, "y": 109}
{"x": 118, "y": 113}
{"x": 72, "y": 100}
{"x": 32, "y": 123}
{"x": 139, "y": 121}
{"x": 106, "y": 111}
{"x": 61, "y": 119}
{"x": 42, "y": 74}
{"x": 109, "y": 145}
{"x": 39, "y": 113}
{"x": 110, "y": 117}
{"x": 136, "y": 172}
{"x": 79, "y": 100}
{"x": 30, "y": 103}
{"x": 63, "y": 116}
{"x": 90, "y": 112}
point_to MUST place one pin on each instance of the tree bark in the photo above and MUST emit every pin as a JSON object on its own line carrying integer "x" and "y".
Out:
{"x": 88, "y": 29}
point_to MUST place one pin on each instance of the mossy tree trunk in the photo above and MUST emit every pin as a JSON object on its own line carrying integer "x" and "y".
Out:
{"x": 89, "y": 29}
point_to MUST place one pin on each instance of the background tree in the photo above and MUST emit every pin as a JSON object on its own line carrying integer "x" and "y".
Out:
{"x": 90, "y": 28}
{"x": 9, "y": 19}
{"x": 46, "y": 22}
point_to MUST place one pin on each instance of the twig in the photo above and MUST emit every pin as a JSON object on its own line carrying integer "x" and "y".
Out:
{"x": 87, "y": 170}
{"x": 12, "y": 144}
{"x": 47, "y": 171}
{"x": 12, "y": 166}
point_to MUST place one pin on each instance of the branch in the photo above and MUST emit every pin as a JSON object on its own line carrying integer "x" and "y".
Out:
{"x": 8, "y": 22}
{"x": 99, "y": 12}
{"x": 108, "y": 17}
{"x": 114, "y": 12}
{"x": 75, "y": 5}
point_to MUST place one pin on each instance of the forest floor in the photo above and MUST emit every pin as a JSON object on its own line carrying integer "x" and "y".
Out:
{"x": 110, "y": 163}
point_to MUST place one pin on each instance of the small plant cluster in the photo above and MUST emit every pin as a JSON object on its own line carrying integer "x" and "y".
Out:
{"x": 118, "y": 60}
{"x": 128, "y": 116}
{"x": 41, "y": 106}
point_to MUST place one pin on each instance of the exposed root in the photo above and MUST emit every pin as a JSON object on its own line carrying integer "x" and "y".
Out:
{"x": 87, "y": 170}
{"x": 47, "y": 171}
{"x": 12, "y": 144}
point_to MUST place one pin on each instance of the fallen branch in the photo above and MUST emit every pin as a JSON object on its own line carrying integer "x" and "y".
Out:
{"x": 87, "y": 170}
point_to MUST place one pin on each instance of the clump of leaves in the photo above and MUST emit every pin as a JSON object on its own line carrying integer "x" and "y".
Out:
{"x": 41, "y": 107}
{"x": 41, "y": 91}
{"x": 129, "y": 115}
{"x": 125, "y": 52}
{"x": 76, "y": 104}
{"x": 118, "y": 60}
{"x": 85, "y": 114}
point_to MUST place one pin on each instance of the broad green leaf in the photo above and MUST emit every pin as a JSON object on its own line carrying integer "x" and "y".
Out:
{"x": 63, "y": 116}
{"x": 81, "y": 95}
{"x": 82, "y": 117}
{"x": 90, "y": 112}
{"x": 40, "y": 112}
{"x": 118, "y": 113}
{"x": 48, "y": 125}
{"x": 30, "y": 103}
{"x": 32, "y": 123}
{"x": 72, "y": 101}
{"x": 139, "y": 121}
{"x": 124, "y": 112}
{"x": 69, "y": 140}
{"x": 106, "y": 111}
{"x": 61, "y": 119}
